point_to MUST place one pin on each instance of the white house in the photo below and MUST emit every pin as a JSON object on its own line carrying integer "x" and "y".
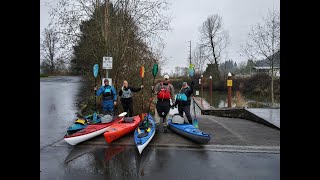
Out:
{"x": 259, "y": 69}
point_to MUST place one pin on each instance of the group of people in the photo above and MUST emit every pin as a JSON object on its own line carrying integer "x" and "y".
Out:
{"x": 109, "y": 97}
{"x": 164, "y": 90}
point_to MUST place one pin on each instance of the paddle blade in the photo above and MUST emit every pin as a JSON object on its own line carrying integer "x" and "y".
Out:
{"x": 95, "y": 70}
{"x": 155, "y": 70}
{"x": 195, "y": 123}
{"x": 139, "y": 131}
{"x": 94, "y": 117}
{"x": 142, "y": 115}
{"x": 191, "y": 70}
{"x": 142, "y": 71}
{"x": 122, "y": 114}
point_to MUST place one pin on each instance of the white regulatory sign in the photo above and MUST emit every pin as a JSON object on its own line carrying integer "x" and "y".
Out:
{"x": 107, "y": 63}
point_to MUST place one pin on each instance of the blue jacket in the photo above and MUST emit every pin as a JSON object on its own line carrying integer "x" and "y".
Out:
{"x": 102, "y": 89}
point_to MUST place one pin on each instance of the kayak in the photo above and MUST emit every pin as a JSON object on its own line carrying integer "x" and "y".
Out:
{"x": 143, "y": 138}
{"x": 121, "y": 128}
{"x": 90, "y": 131}
{"x": 82, "y": 123}
{"x": 190, "y": 132}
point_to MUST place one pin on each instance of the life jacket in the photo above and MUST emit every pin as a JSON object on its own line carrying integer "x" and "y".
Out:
{"x": 126, "y": 93}
{"x": 181, "y": 96}
{"x": 164, "y": 93}
{"x": 107, "y": 91}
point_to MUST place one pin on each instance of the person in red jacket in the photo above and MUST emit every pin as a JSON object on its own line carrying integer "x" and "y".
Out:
{"x": 164, "y": 91}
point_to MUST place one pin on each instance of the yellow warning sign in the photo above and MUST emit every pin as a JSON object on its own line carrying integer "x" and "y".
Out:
{"x": 229, "y": 82}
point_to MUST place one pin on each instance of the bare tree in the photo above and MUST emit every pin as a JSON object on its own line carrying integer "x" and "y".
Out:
{"x": 185, "y": 71}
{"x": 49, "y": 48}
{"x": 214, "y": 38}
{"x": 199, "y": 59}
{"x": 264, "y": 43}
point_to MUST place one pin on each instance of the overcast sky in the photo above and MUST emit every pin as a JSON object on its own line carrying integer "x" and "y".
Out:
{"x": 188, "y": 15}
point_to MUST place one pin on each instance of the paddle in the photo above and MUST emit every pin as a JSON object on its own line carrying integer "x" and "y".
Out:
{"x": 142, "y": 76}
{"x": 191, "y": 74}
{"x": 95, "y": 73}
{"x": 154, "y": 73}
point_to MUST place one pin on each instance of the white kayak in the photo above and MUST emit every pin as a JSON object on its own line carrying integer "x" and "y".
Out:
{"x": 90, "y": 131}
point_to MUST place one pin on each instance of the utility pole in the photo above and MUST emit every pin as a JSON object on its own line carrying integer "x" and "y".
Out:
{"x": 190, "y": 52}
{"x": 106, "y": 24}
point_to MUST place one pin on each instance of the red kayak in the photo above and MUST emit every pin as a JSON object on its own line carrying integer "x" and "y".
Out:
{"x": 123, "y": 127}
{"x": 90, "y": 131}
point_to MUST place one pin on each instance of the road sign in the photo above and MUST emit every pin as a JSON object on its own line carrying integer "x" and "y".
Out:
{"x": 229, "y": 82}
{"x": 107, "y": 63}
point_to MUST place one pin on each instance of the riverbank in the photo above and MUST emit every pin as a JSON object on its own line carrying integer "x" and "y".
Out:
{"x": 255, "y": 85}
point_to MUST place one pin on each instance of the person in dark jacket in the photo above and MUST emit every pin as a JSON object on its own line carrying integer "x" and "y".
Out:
{"x": 183, "y": 100}
{"x": 126, "y": 94}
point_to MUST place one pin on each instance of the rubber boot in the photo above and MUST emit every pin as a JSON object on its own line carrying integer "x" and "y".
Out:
{"x": 165, "y": 125}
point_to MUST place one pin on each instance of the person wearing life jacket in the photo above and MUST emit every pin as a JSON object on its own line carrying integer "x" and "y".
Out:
{"x": 183, "y": 100}
{"x": 126, "y": 94}
{"x": 109, "y": 99}
{"x": 164, "y": 91}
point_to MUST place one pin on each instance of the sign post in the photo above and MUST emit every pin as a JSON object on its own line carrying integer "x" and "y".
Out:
{"x": 229, "y": 85}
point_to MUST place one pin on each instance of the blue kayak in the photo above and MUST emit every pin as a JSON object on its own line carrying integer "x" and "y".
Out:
{"x": 190, "y": 132}
{"x": 141, "y": 136}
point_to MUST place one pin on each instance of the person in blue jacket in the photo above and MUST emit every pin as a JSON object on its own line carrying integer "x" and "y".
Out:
{"x": 109, "y": 99}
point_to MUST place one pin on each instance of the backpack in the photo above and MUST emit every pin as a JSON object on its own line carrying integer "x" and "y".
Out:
{"x": 181, "y": 96}
{"x": 106, "y": 118}
{"x": 177, "y": 119}
{"x": 164, "y": 93}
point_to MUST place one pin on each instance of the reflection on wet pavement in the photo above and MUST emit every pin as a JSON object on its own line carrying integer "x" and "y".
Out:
{"x": 124, "y": 162}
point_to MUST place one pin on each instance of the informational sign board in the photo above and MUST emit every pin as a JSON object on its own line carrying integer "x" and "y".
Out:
{"x": 107, "y": 63}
